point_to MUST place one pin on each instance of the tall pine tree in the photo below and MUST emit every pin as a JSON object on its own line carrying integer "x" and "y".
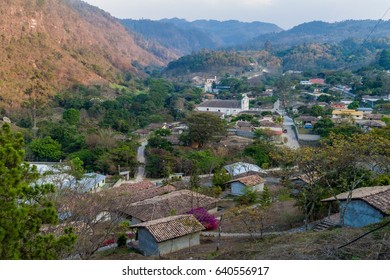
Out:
{"x": 25, "y": 207}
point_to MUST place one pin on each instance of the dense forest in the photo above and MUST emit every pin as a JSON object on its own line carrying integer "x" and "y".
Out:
{"x": 186, "y": 37}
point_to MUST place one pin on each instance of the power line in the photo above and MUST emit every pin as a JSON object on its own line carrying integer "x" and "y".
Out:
{"x": 366, "y": 40}
{"x": 376, "y": 25}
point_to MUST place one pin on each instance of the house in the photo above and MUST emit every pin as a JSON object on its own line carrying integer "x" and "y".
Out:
{"x": 239, "y": 185}
{"x": 208, "y": 86}
{"x": 346, "y": 113}
{"x": 245, "y": 126}
{"x": 338, "y": 106}
{"x": 167, "y": 235}
{"x": 226, "y": 107}
{"x": 317, "y": 82}
{"x": 240, "y": 168}
{"x": 367, "y": 205}
{"x": 57, "y": 175}
{"x": 374, "y": 117}
{"x": 323, "y": 104}
{"x": 365, "y": 110}
{"x": 313, "y": 82}
{"x": 306, "y": 121}
{"x": 370, "y": 124}
{"x": 173, "y": 203}
{"x": 91, "y": 182}
{"x": 305, "y": 83}
{"x": 131, "y": 193}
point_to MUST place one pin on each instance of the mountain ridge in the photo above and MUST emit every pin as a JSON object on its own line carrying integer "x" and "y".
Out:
{"x": 189, "y": 36}
{"x": 321, "y": 32}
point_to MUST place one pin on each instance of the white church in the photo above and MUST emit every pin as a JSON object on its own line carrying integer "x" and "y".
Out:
{"x": 226, "y": 107}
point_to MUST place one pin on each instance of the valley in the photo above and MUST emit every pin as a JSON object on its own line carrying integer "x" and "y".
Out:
{"x": 242, "y": 138}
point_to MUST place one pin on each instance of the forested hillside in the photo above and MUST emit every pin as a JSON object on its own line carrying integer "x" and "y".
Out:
{"x": 322, "y": 32}
{"x": 185, "y": 37}
{"x": 52, "y": 44}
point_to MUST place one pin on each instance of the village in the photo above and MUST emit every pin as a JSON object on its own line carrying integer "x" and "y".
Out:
{"x": 156, "y": 217}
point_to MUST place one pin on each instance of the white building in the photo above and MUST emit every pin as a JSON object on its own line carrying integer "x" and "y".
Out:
{"x": 226, "y": 107}
{"x": 208, "y": 86}
{"x": 240, "y": 168}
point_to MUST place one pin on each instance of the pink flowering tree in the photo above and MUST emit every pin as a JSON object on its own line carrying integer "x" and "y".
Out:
{"x": 205, "y": 218}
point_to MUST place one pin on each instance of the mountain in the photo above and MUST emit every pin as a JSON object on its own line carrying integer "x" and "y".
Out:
{"x": 185, "y": 37}
{"x": 321, "y": 32}
{"x": 350, "y": 53}
{"x": 64, "y": 42}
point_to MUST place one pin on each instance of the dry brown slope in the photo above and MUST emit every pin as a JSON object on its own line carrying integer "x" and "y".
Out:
{"x": 66, "y": 42}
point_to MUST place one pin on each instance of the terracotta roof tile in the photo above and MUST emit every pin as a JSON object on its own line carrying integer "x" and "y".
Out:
{"x": 178, "y": 202}
{"x": 249, "y": 181}
{"x": 172, "y": 227}
{"x": 377, "y": 197}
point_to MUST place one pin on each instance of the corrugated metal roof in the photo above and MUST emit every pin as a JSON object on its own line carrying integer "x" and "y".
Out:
{"x": 377, "y": 197}
{"x": 241, "y": 168}
{"x": 172, "y": 227}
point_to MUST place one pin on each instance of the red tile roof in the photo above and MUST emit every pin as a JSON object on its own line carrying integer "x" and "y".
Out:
{"x": 249, "y": 181}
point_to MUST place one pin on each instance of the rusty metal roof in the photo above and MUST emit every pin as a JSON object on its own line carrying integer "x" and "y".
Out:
{"x": 172, "y": 227}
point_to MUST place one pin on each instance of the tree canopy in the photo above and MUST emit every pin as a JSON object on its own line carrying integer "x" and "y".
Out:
{"x": 25, "y": 207}
{"x": 204, "y": 128}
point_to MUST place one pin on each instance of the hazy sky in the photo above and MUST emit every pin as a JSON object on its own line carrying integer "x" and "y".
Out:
{"x": 285, "y": 13}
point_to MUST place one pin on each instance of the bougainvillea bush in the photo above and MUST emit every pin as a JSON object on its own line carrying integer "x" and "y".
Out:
{"x": 205, "y": 218}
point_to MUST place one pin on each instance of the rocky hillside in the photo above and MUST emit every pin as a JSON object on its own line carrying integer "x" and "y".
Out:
{"x": 63, "y": 43}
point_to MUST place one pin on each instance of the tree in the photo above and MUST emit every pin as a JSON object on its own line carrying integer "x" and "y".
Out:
{"x": 221, "y": 176}
{"x": 317, "y": 111}
{"x": 384, "y": 59}
{"x": 37, "y": 95}
{"x": 204, "y": 161}
{"x": 71, "y": 116}
{"x": 309, "y": 160}
{"x": 264, "y": 134}
{"x": 354, "y": 105}
{"x": 323, "y": 127}
{"x": 205, "y": 218}
{"x": 204, "y": 128}
{"x": 91, "y": 213}
{"x": 265, "y": 198}
{"x": 341, "y": 164}
{"x": 46, "y": 149}
{"x": 25, "y": 207}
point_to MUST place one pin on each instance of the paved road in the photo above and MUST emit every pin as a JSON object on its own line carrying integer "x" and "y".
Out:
{"x": 292, "y": 140}
{"x": 141, "y": 159}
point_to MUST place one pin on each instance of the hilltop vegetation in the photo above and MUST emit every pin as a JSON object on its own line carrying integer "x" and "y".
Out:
{"x": 66, "y": 42}
{"x": 186, "y": 37}
{"x": 322, "y": 32}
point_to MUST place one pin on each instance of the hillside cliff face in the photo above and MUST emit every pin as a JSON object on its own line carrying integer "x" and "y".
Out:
{"x": 64, "y": 42}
